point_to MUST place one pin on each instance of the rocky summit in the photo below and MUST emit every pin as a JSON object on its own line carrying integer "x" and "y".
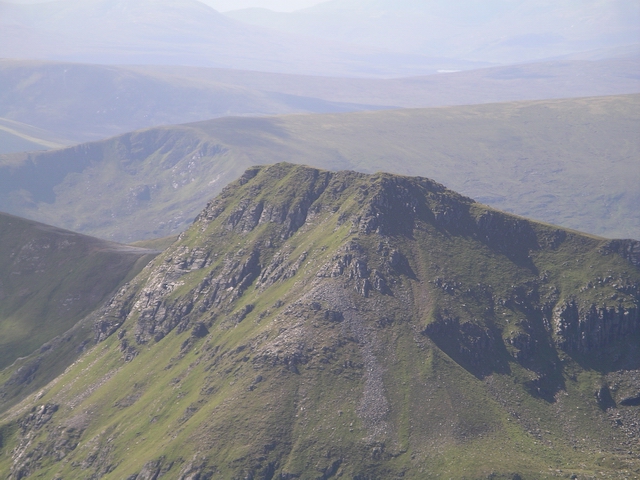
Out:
{"x": 316, "y": 325}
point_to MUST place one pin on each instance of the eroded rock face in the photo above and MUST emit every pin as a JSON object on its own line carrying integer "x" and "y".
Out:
{"x": 290, "y": 212}
{"x": 585, "y": 330}
{"x": 390, "y": 206}
{"x": 159, "y": 314}
{"x": 472, "y": 344}
{"x": 60, "y": 440}
{"x": 627, "y": 249}
{"x": 510, "y": 235}
{"x": 114, "y": 313}
{"x": 525, "y": 345}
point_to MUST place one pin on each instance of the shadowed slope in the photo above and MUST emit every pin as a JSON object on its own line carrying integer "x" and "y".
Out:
{"x": 49, "y": 280}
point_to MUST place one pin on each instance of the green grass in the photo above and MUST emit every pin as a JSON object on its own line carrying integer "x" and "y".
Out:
{"x": 156, "y": 243}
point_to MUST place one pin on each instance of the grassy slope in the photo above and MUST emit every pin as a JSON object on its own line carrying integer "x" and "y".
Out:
{"x": 52, "y": 278}
{"x": 368, "y": 394}
{"x": 569, "y": 162}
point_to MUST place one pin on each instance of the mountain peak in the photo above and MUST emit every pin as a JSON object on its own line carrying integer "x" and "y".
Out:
{"x": 316, "y": 324}
{"x": 384, "y": 203}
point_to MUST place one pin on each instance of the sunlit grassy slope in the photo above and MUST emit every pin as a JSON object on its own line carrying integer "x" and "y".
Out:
{"x": 569, "y": 162}
{"x": 338, "y": 325}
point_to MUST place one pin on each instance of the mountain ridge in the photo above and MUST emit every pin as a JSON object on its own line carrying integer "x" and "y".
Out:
{"x": 152, "y": 183}
{"x": 89, "y": 102}
{"x": 496, "y": 31}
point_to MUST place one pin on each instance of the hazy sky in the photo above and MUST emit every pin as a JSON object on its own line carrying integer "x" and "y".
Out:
{"x": 278, "y": 5}
{"x": 225, "y": 5}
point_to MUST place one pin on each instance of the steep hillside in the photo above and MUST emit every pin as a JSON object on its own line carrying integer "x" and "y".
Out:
{"x": 341, "y": 325}
{"x": 569, "y": 162}
{"x": 49, "y": 280}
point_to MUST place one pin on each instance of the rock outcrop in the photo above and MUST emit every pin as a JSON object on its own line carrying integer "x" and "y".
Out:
{"x": 589, "y": 330}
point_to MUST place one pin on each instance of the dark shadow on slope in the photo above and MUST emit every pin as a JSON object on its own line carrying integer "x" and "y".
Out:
{"x": 479, "y": 349}
{"x": 510, "y": 236}
{"x": 507, "y": 235}
{"x": 318, "y": 105}
{"x": 39, "y": 178}
{"x": 619, "y": 355}
{"x": 546, "y": 385}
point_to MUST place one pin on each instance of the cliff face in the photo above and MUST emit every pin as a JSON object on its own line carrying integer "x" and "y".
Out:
{"x": 590, "y": 330}
{"x": 313, "y": 324}
{"x": 628, "y": 249}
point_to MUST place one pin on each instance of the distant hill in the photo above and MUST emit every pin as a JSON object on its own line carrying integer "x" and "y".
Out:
{"x": 72, "y": 103}
{"x": 49, "y": 280}
{"x": 372, "y": 38}
{"x": 316, "y": 324}
{"x": 567, "y": 162}
{"x": 89, "y": 102}
{"x": 584, "y": 76}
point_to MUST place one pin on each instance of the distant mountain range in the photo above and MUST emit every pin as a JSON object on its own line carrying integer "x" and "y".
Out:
{"x": 568, "y": 162}
{"x": 501, "y": 31}
{"x": 187, "y": 32}
{"x": 48, "y": 104}
{"x": 371, "y": 38}
{"x": 80, "y": 102}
